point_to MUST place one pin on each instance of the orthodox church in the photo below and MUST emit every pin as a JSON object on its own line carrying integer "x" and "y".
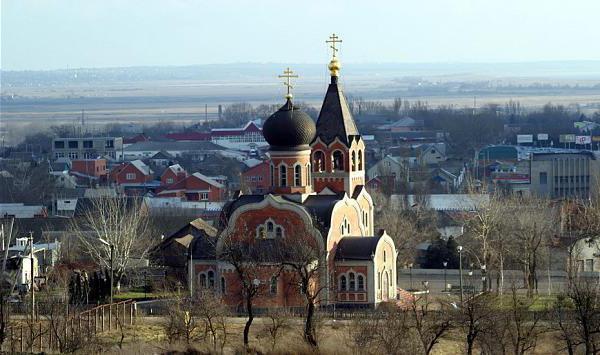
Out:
{"x": 317, "y": 178}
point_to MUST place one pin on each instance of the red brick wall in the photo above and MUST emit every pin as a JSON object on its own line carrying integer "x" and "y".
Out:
{"x": 263, "y": 184}
{"x": 90, "y": 167}
{"x": 121, "y": 176}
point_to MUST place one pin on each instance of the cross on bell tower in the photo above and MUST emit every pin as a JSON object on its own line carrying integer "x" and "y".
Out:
{"x": 288, "y": 74}
{"x": 334, "y": 65}
{"x": 333, "y": 39}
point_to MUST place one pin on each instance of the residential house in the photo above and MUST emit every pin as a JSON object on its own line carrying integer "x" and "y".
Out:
{"x": 195, "y": 187}
{"x": 90, "y": 167}
{"x": 133, "y": 173}
{"x": 20, "y": 210}
{"x": 173, "y": 174}
{"x": 256, "y": 178}
{"x": 389, "y": 166}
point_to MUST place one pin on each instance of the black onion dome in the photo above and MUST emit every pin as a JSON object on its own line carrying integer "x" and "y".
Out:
{"x": 289, "y": 129}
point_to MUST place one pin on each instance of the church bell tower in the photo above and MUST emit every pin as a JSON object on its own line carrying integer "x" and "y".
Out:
{"x": 338, "y": 150}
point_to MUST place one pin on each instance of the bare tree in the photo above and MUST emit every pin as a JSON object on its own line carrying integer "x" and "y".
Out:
{"x": 431, "y": 326}
{"x": 532, "y": 225}
{"x": 6, "y": 282}
{"x": 305, "y": 256}
{"x": 278, "y": 321}
{"x": 121, "y": 222}
{"x": 475, "y": 318}
{"x": 246, "y": 257}
{"x": 209, "y": 307}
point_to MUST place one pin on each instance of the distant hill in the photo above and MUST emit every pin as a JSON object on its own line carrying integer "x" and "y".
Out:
{"x": 259, "y": 72}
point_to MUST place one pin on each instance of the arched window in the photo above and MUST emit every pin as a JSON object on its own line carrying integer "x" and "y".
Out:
{"x": 308, "y": 175}
{"x": 353, "y": 161}
{"x": 352, "y": 283}
{"x": 361, "y": 282}
{"x": 223, "y": 285}
{"x": 211, "y": 278}
{"x": 384, "y": 256}
{"x": 338, "y": 160}
{"x": 273, "y": 285}
{"x": 319, "y": 161}
{"x": 297, "y": 175}
{"x": 343, "y": 283}
{"x": 270, "y": 227}
{"x": 272, "y": 175}
{"x": 283, "y": 176}
{"x": 202, "y": 280}
{"x": 279, "y": 232}
{"x": 360, "y": 160}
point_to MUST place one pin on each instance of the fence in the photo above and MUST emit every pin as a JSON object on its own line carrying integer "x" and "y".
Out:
{"x": 67, "y": 333}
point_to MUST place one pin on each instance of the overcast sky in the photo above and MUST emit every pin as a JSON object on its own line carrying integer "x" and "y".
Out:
{"x": 49, "y": 34}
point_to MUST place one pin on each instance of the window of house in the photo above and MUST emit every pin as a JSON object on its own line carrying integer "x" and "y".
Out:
{"x": 283, "y": 176}
{"x": 361, "y": 283}
{"x": 319, "y": 161}
{"x": 204, "y": 196}
{"x": 353, "y": 161}
{"x": 278, "y": 232}
{"x": 59, "y": 155}
{"x": 297, "y": 175}
{"x": 202, "y": 280}
{"x": 59, "y": 144}
{"x": 169, "y": 180}
{"x": 338, "y": 160}
{"x": 110, "y": 143}
{"x": 343, "y": 283}
{"x": 308, "y": 175}
{"x": 273, "y": 285}
{"x": 73, "y": 144}
{"x": 88, "y": 144}
{"x": 543, "y": 178}
{"x": 210, "y": 275}
{"x": 384, "y": 256}
{"x": 270, "y": 227}
{"x": 223, "y": 289}
{"x": 360, "y": 160}
{"x": 130, "y": 176}
{"x": 352, "y": 281}
{"x": 272, "y": 175}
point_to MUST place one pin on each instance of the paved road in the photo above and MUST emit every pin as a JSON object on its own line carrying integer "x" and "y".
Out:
{"x": 435, "y": 278}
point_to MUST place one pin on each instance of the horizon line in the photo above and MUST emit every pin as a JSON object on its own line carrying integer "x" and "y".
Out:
{"x": 556, "y": 61}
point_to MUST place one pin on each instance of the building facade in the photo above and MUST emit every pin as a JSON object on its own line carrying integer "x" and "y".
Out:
{"x": 317, "y": 199}
{"x": 87, "y": 148}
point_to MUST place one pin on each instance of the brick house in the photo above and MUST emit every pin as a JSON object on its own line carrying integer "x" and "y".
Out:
{"x": 195, "y": 187}
{"x": 174, "y": 173}
{"x": 90, "y": 167}
{"x": 316, "y": 198}
{"x": 131, "y": 174}
{"x": 256, "y": 179}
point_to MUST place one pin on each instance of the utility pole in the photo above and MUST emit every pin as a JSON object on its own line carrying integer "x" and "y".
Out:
{"x": 191, "y": 270}
{"x": 460, "y": 249}
{"x": 205, "y": 112}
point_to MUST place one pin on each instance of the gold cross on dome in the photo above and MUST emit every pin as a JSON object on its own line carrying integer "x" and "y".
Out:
{"x": 333, "y": 39}
{"x": 288, "y": 74}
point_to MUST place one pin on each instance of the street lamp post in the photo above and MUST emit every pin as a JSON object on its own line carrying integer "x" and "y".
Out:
{"x": 445, "y": 275}
{"x": 410, "y": 266}
{"x": 31, "y": 283}
{"x": 460, "y": 271}
{"x": 112, "y": 257}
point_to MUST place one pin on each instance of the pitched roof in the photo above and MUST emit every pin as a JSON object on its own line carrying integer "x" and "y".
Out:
{"x": 162, "y": 155}
{"x": 141, "y": 166}
{"x": 335, "y": 118}
{"x": 356, "y": 248}
{"x": 208, "y": 180}
{"x": 172, "y": 146}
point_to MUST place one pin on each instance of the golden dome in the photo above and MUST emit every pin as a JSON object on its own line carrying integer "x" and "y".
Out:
{"x": 334, "y": 67}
